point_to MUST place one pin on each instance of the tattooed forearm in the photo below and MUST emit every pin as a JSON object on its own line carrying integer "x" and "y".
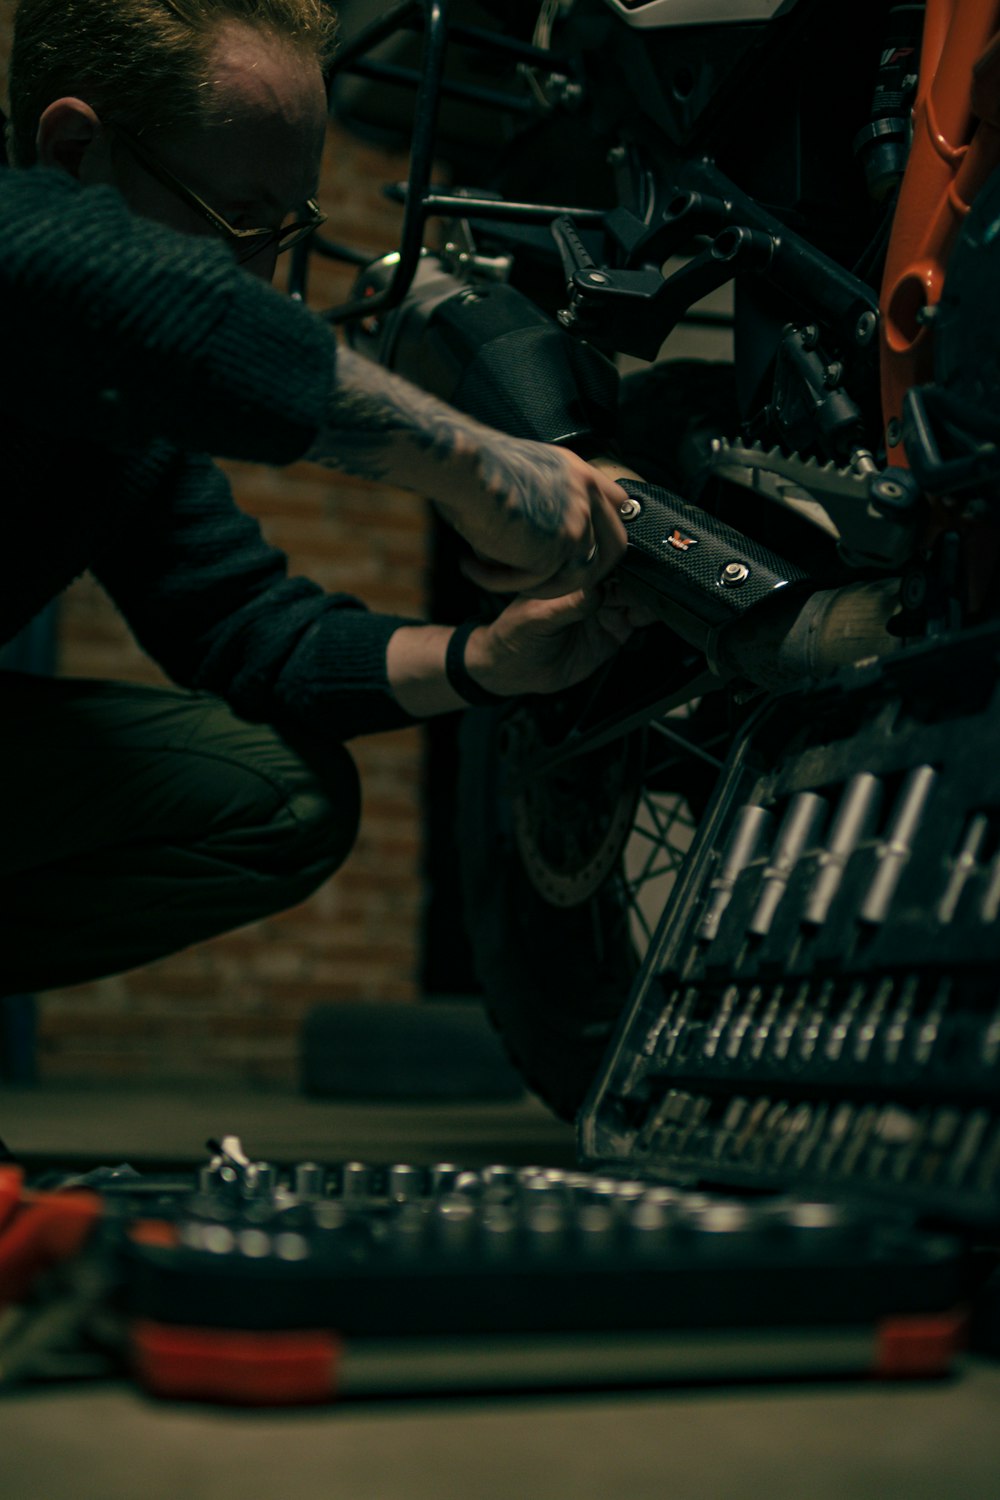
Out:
{"x": 529, "y": 479}
{"x": 381, "y": 427}
{"x": 371, "y": 410}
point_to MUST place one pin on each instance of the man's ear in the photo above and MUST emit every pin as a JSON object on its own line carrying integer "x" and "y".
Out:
{"x": 67, "y": 130}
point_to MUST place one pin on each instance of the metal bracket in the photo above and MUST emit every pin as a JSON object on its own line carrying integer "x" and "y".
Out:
{"x": 837, "y": 500}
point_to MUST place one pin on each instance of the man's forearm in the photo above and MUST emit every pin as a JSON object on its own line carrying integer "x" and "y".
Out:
{"x": 381, "y": 427}
{"x": 415, "y": 669}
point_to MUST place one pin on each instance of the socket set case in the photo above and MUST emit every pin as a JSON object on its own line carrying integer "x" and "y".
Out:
{"x": 395, "y": 1279}
{"x": 819, "y": 1010}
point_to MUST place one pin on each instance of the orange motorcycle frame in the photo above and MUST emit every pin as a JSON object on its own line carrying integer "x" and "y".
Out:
{"x": 955, "y": 149}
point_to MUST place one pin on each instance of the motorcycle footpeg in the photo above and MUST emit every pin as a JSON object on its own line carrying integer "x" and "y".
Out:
{"x": 710, "y": 572}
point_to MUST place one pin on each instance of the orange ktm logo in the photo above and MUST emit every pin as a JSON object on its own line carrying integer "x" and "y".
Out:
{"x": 680, "y": 542}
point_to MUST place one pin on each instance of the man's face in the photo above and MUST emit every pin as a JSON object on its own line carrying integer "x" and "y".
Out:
{"x": 256, "y": 168}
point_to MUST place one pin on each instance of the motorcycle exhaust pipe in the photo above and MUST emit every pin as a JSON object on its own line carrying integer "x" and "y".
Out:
{"x": 753, "y": 614}
{"x": 788, "y": 642}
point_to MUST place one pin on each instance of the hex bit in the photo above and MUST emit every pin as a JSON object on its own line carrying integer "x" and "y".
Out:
{"x": 893, "y": 852}
{"x": 852, "y": 822}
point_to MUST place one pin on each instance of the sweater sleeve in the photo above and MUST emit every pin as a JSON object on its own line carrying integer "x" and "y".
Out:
{"x": 213, "y": 604}
{"x": 121, "y": 330}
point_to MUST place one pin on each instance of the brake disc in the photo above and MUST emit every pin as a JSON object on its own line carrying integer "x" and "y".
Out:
{"x": 571, "y": 823}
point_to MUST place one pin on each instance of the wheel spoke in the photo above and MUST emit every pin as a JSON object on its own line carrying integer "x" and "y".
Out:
{"x": 686, "y": 744}
{"x": 639, "y": 916}
{"x": 647, "y": 878}
{"x": 653, "y": 813}
{"x": 648, "y": 835}
{"x": 659, "y": 841}
{"x": 649, "y": 857}
{"x": 667, "y": 820}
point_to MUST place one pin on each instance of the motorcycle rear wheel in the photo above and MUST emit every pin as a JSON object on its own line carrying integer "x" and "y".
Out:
{"x": 560, "y": 899}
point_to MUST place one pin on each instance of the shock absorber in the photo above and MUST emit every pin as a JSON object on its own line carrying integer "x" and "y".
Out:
{"x": 884, "y": 143}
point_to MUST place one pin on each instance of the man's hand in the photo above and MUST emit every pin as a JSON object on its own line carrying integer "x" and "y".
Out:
{"x": 534, "y": 646}
{"x": 546, "y": 523}
{"x": 544, "y": 645}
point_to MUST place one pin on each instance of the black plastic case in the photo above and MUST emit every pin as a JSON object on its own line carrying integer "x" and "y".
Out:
{"x": 819, "y": 1009}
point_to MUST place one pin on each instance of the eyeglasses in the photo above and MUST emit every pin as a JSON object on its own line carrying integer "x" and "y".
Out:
{"x": 244, "y": 243}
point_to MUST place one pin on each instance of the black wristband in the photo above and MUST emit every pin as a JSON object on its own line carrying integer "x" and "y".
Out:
{"x": 457, "y": 674}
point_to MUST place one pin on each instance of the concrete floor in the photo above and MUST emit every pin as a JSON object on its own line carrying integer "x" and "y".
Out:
{"x": 111, "y": 1123}
{"x": 787, "y": 1442}
{"x": 849, "y": 1443}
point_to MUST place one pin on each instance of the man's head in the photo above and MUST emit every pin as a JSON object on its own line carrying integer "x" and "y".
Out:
{"x": 222, "y": 97}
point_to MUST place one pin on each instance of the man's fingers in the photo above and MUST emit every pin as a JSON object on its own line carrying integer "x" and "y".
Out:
{"x": 586, "y": 558}
{"x": 605, "y": 541}
{"x": 500, "y": 578}
{"x": 609, "y": 528}
{"x": 504, "y": 578}
{"x": 616, "y": 623}
{"x": 568, "y": 609}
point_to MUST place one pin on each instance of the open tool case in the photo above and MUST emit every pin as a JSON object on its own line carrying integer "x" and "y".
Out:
{"x": 790, "y": 1161}
{"x": 819, "y": 1010}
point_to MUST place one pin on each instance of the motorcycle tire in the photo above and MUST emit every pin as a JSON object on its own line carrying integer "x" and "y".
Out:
{"x": 555, "y": 978}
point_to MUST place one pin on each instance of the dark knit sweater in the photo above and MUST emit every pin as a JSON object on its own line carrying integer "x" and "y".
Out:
{"x": 130, "y": 353}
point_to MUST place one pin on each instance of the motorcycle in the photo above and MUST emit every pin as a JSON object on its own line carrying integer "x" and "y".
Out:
{"x": 824, "y": 495}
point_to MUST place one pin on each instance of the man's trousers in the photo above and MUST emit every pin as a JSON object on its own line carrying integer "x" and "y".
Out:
{"x": 135, "y": 821}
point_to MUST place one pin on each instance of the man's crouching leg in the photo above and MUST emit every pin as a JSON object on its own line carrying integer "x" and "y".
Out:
{"x": 143, "y": 820}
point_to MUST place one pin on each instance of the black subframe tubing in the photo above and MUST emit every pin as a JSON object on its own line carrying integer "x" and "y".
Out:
{"x": 469, "y": 93}
{"x": 797, "y": 267}
{"x": 421, "y": 162}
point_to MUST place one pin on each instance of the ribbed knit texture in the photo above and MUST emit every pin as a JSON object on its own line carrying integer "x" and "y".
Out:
{"x": 134, "y": 331}
{"x": 130, "y": 352}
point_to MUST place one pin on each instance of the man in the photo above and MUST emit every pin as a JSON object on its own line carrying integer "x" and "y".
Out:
{"x": 136, "y": 821}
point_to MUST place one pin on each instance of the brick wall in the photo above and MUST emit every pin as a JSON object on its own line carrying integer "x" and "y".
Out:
{"x": 230, "y": 1008}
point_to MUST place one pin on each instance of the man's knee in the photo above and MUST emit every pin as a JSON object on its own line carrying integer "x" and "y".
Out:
{"x": 315, "y": 831}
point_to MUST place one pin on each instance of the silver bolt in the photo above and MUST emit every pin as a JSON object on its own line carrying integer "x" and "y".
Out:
{"x": 354, "y": 1183}
{"x": 254, "y": 1243}
{"x": 259, "y": 1180}
{"x": 499, "y": 1177}
{"x": 629, "y": 509}
{"x": 733, "y": 574}
{"x": 443, "y": 1174}
{"x": 865, "y": 327}
{"x": 309, "y": 1180}
{"x": 569, "y": 94}
{"x": 405, "y": 1182}
{"x": 597, "y": 276}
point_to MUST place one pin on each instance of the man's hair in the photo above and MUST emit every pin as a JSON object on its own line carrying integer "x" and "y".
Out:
{"x": 142, "y": 62}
